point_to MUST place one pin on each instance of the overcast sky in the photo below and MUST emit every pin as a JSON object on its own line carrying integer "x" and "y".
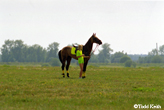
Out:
{"x": 130, "y": 26}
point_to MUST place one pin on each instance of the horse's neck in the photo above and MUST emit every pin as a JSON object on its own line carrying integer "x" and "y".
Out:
{"x": 88, "y": 47}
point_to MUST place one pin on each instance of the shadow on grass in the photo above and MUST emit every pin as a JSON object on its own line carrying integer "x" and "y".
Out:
{"x": 65, "y": 78}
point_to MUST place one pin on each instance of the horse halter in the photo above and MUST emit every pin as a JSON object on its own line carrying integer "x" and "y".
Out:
{"x": 95, "y": 47}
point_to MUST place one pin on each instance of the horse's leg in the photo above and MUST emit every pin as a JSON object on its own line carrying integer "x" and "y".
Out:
{"x": 63, "y": 65}
{"x": 84, "y": 68}
{"x": 68, "y": 63}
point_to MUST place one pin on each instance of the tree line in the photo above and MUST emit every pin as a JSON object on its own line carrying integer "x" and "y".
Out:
{"x": 154, "y": 56}
{"x": 17, "y": 51}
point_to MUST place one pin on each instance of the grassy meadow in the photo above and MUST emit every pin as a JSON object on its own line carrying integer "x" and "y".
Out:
{"x": 105, "y": 88}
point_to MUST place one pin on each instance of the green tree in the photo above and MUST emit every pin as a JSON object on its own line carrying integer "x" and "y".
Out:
{"x": 13, "y": 51}
{"x": 153, "y": 52}
{"x": 52, "y": 50}
{"x": 157, "y": 59}
{"x": 35, "y": 53}
{"x": 17, "y": 50}
{"x": 128, "y": 63}
{"x": 25, "y": 52}
{"x": 40, "y": 53}
{"x": 146, "y": 59}
{"x": 104, "y": 54}
{"x": 161, "y": 50}
{"x": 124, "y": 59}
{"x": 115, "y": 58}
{"x": 141, "y": 60}
{"x": 32, "y": 54}
{"x": 6, "y": 51}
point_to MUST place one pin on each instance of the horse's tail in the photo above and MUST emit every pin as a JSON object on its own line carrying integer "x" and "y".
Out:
{"x": 59, "y": 54}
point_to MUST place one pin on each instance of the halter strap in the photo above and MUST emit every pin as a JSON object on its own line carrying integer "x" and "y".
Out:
{"x": 95, "y": 49}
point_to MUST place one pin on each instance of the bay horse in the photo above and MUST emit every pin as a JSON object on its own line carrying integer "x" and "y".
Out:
{"x": 65, "y": 54}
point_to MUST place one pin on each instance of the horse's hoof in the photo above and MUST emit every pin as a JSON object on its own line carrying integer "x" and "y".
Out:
{"x": 63, "y": 75}
{"x": 83, "y": 77}
{"x": 68, "y": 75}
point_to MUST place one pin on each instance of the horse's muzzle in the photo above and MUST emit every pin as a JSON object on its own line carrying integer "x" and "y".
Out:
{"x": 100, "y": 42}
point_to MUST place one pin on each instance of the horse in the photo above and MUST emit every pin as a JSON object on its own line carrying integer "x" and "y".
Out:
{"x": 65, "y": 54}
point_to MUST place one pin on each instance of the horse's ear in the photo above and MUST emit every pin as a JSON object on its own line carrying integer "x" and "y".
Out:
{"x": 94, "y": 33}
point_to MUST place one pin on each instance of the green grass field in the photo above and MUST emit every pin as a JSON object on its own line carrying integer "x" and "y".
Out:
{"x": 105, "y": 88}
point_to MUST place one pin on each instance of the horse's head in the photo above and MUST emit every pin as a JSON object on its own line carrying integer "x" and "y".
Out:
{"x": 95, "y": 39}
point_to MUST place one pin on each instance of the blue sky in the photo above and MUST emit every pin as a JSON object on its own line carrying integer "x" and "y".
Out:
{"x": 130, "y": 26}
